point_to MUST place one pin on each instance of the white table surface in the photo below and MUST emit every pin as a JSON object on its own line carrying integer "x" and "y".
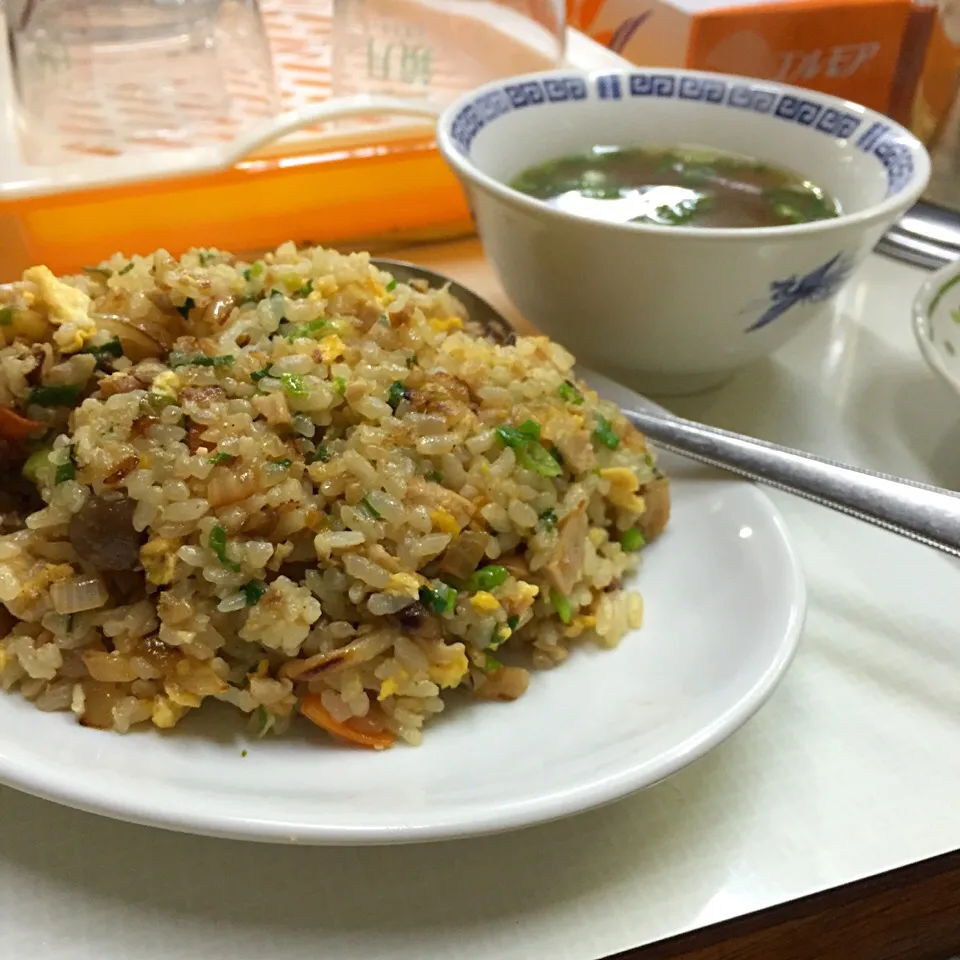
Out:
{"x": 851, "y": 769}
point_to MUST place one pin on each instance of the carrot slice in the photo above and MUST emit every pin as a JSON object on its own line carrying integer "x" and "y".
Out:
{"x": 311, "y": 706}
{"x": 15, "y": 427}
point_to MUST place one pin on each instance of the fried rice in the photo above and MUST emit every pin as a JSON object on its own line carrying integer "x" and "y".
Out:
{"x": 296, "y": 486}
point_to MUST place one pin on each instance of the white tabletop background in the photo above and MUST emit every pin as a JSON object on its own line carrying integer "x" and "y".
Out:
{"x": 851, "y": 769}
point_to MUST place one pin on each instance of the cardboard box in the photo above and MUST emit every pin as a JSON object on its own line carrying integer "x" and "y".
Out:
{"x": 849, "y": 48}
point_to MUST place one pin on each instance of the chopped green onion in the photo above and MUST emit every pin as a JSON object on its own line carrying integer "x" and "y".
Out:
{"x": 562, "y": 605}
{"x": 340, "y": 385}
{"x": 434, "y": 476}
{"x": 570, "y": 393}
{"x": 205, "y": 256}
{"x": 294, "y": 385}
{"x": 34, "y": 464}
{"x": 6, "y": 316}
{"x": 243, "y": 753}
{"x": 519, "y": 436}
{"x": 439, "y": 597}
{"x": 218, "y": 544}
{"x": 124, "y": 270}
{"x": 188, "y": 305}
{"x": 265, "y": 720}
{"x": 65, "y": 471}
{"x": 253, "y": 591}
{"x": 549, "y": 519}
{"x": 221, "y": 458}
{"x": 104, "y": 272}
{"x": 391, "y": 286}
{"x": 306, "y": 330}
{"x": 412, "y": 362}
{"x": 487, "y": 578}
{"x": 60, "y": 396}
{"x": 284, "y": 464}
{"x": 397, "y": 393}
{"x": 304, "y": 291}
{"x": 491, "y": 663}
{"x": 603, "y": 433}
{"x": 370, "y": 508}
{"x": 178, "y": 359}
{"x": 496, "y": 640}
{"x": 321, "y": 455}
{"x": 258, "y": 375}
{"x": 254, "y": 270}
{"x": 160, "y": 400}
{"x": 275, "y": 292}
{"x": 112, "y": 348}
{"x": 633, "y": 540}
{"x": 538, "y": 459}
{"x": 513, "y": 622}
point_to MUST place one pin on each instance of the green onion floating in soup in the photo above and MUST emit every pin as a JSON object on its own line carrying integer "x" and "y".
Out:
{"x": 678, "y": 186}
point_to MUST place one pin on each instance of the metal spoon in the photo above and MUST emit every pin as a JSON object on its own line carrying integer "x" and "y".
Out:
{"x": 927, "y": 514}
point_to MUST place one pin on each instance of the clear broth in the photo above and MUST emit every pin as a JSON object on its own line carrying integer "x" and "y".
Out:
{"x": 676, "y": 186}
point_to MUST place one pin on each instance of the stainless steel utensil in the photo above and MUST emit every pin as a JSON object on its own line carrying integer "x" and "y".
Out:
{"x": 927, "y": 514}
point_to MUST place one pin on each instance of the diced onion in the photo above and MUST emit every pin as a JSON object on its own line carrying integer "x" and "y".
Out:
{"x": 78, "y": 594}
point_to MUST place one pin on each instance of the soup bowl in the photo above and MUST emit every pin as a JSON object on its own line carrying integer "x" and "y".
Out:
{"x": 675, "y": 309}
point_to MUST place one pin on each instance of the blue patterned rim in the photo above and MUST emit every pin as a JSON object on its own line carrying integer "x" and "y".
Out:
{"x": 889, "y": 143}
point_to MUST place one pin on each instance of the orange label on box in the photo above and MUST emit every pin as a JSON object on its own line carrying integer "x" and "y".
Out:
{"x": 849, "y": 49}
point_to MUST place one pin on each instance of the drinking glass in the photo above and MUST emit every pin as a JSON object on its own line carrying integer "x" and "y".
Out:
{"x": 111, "y": 77}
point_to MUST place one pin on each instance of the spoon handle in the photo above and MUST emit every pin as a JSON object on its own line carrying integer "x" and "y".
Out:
{"x": 929, "y": 515}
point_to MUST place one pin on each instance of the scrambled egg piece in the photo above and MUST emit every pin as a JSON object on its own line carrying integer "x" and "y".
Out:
{"x": 623, "y": 488}
{"x": 579, "y": 624}
{"x": 159, "y": 559}
{"x": 403, "y": 584}
{"x": 391, "y": 685}
{"x": 167, "y": 384}
{"x": 446, "y": 324}
{"x": 484, "y": 602}
{"x": 443, "y": 520}
{"x": 68, "y": 308}
{"x": 388, "y": 688}
{"x": 166, "y": 713}
{"x": 322, "y": 287}
{"x": 182, "y": 698}
{"x": 331, "y": 348}
{"x": 450, "y": 674}
{"x": 26, "y": 324}
{"x": 525, "y": 596}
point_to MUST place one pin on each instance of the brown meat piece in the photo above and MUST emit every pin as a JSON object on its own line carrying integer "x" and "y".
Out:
{"x": 102, "y": 533}
{"x": 442, "y": 394}
{"x": 656, "y": 495}
{"x": 119, "y": 383}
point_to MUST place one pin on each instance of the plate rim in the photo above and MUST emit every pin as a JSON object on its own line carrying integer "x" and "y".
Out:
{"x": 596, "y": 793}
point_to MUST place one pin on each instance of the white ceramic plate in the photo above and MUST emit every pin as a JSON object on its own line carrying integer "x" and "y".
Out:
{"x": 725, "y": 600}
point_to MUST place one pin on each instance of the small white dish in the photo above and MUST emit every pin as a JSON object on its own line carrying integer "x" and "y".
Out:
{"x": 725, "y": 600}
{"x": 936, "y": 322}
{"x": 675, "y": 309}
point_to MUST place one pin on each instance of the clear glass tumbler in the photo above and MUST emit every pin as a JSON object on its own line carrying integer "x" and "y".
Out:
{"x": 436, "y": 49}
{"x": 110, "y": 77}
